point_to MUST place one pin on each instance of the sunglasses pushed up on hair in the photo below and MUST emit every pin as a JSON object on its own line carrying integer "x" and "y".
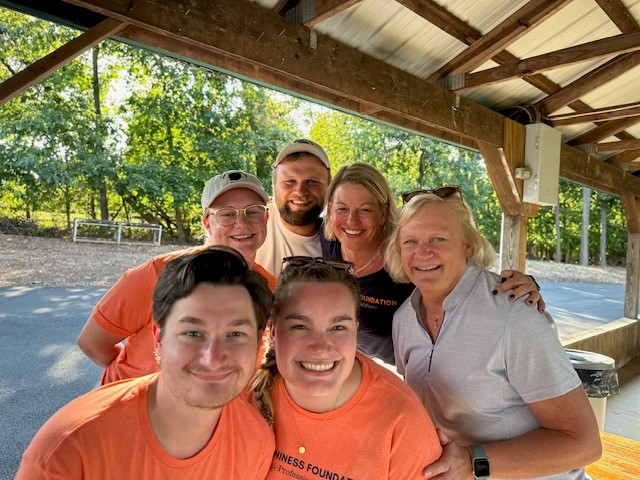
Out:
{"x": 300, "y": 260}
{"x": 442, "y": 192}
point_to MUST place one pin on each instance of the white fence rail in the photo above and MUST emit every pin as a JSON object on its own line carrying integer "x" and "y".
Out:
{"x": 116, "y": 228}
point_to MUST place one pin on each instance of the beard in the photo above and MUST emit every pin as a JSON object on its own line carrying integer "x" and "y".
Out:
{"x": 300, "y": 218}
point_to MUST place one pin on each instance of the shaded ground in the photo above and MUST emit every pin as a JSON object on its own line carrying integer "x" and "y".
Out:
{"x": 52, "y": 262}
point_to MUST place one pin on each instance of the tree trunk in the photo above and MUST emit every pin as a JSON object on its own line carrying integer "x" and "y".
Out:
{"x": 603, "y": 235}
{"x": 558, "y": 257}
{"x": 67, "y": 206}
{"x": 104, "y": 202}
{"x": 182, "y": 238}
{"x": 584, "y": 238}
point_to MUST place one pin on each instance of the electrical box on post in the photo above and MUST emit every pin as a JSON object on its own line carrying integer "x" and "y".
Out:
{"x": 542, "y": 158}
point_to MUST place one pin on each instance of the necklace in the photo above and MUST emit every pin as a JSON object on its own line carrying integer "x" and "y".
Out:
{"x": 368, "y": 264}
{"x": 302, "y": 449}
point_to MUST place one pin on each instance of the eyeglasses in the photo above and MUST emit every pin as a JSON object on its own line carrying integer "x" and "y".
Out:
{"x": 442, "y": 192}
{"x": 301, "y": 260}
{"x": 227, "y": 216}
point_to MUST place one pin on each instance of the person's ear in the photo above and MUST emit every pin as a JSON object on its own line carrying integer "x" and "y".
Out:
{"x": 157, "y": 342}
{"x": 157, "y": 336}
{"x": 271, "y": 331}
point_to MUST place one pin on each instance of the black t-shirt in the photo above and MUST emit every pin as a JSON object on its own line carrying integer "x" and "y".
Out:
{"x": 380, "y": 298}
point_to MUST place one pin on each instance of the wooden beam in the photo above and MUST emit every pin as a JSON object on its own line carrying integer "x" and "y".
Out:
{"x": 513, "y": 242}
{"x": 445, "y": 21}
{"x": 251, "y": 72}
{"x": 503, "y": 179}
{"x": 620, "y": 15}
{"x": 603, "y": 131}
{"x": 501, "y": 165}
{"x": 580, "y": 167}
{"x": 251, "y": 34}
{"x": 631, "y": 205}
{"x": 441, "y": 18}
{"x": 41, "y": 69}
{"x": 623, "y": 157}
{"x": 632, "y": 284}
{"x": 608, "y": 113}
{"x": 618, "y": 146}
{"x": 328, "y": 8}
{"x": 560, "y": 58}
{"x": 503, "y": 34}
{"x": 588, "y": 82}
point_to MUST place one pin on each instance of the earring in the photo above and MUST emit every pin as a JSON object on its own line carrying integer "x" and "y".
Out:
{"x": 156, "y": 355}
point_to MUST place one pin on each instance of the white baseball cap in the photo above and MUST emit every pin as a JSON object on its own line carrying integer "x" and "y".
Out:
{"x": 229, "y": 180}
{"x": 303, "y": 145}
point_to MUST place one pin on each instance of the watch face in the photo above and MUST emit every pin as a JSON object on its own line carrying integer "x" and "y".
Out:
{"x": 480, "y": 467}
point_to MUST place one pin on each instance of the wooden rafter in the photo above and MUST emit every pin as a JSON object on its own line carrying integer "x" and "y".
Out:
{"x": 623, "y": 157}
{"x": 445, "y": 21}
{"x": 458, "y": 29}
{"x": 620, "y": 15}
{"x": 598, "y": 114}
{"x": 618, "y": 146}
{"x": 588, "y": 82}
{"x": 272, "y": 49}
{"x": 276, "y": 47}
{"x": 323, "y": 9}
{"x": 561, "y": 58}
{"x": 34, "y": 73}
{"x": 267, "y": 76}
{"x": 328, "y": 8}
{"x": 604, "y": 130}
{"x": 503, "y": 34}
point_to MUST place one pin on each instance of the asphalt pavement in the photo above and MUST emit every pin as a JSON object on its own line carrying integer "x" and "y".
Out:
{"x": 42, "y": 369}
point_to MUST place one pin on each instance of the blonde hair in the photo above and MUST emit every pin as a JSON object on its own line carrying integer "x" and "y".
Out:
{"x": 483, "y": 254}
{"x": 313, "y": 272}
{"x": 371, "y": 179}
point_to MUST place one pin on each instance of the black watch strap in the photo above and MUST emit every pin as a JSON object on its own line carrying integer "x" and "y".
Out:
{"x": 534, "y": 282}
{"x": 481, "y": 470}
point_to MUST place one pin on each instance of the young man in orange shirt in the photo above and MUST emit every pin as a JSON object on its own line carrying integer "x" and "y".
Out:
{"x": 191, "y": 420}
{"x": 234, "y": 214}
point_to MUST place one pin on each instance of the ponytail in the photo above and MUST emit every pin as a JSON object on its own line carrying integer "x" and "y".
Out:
{"x": 262, "y": 383}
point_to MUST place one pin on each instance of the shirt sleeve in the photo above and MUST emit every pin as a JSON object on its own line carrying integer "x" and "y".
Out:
{"x": 127, "y": 306}
{"x": 536, "y": 364}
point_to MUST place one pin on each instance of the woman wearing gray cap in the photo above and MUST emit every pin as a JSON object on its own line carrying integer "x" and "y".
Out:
{"x": 235, "y": 215}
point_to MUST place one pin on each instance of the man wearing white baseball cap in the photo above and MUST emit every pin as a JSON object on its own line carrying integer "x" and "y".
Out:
{"x": 235, "y": 215}
{"x": 300, "y": 177}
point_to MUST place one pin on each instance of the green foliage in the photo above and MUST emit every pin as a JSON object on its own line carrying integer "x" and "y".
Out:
{"x": 410, "y": 162}
{"x": 162, "y": 128}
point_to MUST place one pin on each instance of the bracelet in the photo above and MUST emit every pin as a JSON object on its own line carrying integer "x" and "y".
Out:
{"x": 534, "y": 282}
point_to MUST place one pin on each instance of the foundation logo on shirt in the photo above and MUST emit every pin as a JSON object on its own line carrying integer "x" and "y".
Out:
{"x": 289, "y": 466}
{"x": 368, "y": 301}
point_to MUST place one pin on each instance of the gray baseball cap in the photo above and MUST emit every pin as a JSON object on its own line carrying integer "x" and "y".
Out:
{"x": 229, "y": 180}
{"x": 303, "y": 145}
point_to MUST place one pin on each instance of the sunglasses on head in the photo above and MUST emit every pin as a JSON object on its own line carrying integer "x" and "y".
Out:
{"x": 300, "y": 260}
{"x": 442, "y": 192}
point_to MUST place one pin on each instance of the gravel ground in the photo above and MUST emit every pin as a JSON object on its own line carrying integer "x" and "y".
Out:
{"x": 52, "y": 262}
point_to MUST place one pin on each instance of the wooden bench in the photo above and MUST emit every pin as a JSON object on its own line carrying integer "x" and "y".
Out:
{"x": 620, "y": 459}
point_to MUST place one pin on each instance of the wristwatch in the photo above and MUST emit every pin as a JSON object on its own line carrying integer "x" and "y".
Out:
{"x": 480, "y": 461}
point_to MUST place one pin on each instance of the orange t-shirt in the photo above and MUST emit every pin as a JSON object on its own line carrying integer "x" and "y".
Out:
{"x": 107, "y": 433}
{"x": 126, "y": 311}
{"x": 383, "y": 432}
